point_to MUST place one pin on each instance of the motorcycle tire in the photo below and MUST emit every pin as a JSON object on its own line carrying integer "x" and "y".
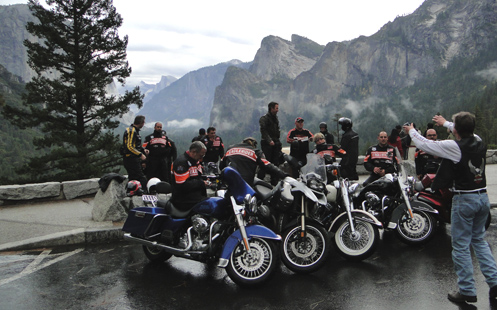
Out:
{"x": 304, "y": 255}
{"x": 489, "y": 220}
{"x": 418, "y": 230}
{"x": 359, "y": 246}
{"x": 256, "y": 267}
{"x": 156, "y": 255}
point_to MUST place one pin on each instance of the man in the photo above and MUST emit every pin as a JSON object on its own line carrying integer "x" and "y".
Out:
{"x": 350, "y": 144}
{"x": 463, "y": 167}
{"x": 380, "y": 159}
{"x": 162, "y": 153}
{"x": 270, "y": 137}
{"x": 426, "y": 163}
{"x": 134, "y": 153}
{"x": 188, "y": 187}
{"x": 215, "y": 146}
{"x": 323, "y": 149}
{"x": 323, "y": 128}
{"x": 299, "y": 138}
{"x": 245, "y": 158}
{"x": 201, "y": 134}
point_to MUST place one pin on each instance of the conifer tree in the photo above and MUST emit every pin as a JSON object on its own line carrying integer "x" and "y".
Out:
{"x": 80, "y": 54}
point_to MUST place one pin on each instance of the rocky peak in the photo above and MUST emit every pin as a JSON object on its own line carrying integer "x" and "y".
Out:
{"x": 281, "y": 59}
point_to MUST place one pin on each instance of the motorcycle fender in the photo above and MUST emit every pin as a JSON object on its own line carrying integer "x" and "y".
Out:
{"x": 415, "y": 205}
{"x": 235, "y": 238}
{"x": 421, "y": 206}
{"x": 359, "y": 215}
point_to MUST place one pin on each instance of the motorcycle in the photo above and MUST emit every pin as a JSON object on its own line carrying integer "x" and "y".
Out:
{"x": 286, "y": 209}
{"x": 216, "y": 229}
{"x": 441, "y": 200}
{"x": 390, "y": 199}
{"x": 355, "y": 231}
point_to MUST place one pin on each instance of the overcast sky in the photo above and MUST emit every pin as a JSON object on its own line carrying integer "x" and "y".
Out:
{"x": 176, "y": 37}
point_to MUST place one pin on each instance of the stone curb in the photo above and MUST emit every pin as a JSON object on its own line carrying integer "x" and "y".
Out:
{"x": 71, "y": 237}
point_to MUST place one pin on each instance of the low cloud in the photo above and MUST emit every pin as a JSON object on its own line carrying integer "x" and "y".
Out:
{"x": 187, "y": 122}
{"x": 490, "y": 73}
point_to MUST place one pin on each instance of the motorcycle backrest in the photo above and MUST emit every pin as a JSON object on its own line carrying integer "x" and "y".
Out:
{"x": 163, "y": 188}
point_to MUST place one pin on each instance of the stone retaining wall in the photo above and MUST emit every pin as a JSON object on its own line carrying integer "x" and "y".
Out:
{"x": 72, "y": 189}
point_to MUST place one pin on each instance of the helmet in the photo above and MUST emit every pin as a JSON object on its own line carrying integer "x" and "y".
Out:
{"x": 345, "y": 122}
{"x": 323, "y": 124}
{"x": 134, "y": 188}
{"x": 151, "y": 185}
{"x": 251, "y": 141}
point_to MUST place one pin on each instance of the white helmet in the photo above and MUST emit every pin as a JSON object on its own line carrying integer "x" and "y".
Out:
{"x": 151, "y": 185}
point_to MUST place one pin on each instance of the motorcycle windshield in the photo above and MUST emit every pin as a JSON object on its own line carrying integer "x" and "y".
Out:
{"x": 402, "y": 171}
{"x": 315, "y": 168}
{"x": 236, "y": 185}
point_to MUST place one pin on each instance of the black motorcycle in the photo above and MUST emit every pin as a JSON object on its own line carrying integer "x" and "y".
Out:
{"x": 390, "y": 199}
{"x": 286, "y": 209}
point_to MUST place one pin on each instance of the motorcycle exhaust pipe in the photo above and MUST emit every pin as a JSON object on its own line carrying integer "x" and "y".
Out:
{"x": 174, "y": 251}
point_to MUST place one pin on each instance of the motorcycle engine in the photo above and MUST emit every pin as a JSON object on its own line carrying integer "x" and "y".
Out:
{"x": 200, "y": 225}
{"x": 373, "y": 200}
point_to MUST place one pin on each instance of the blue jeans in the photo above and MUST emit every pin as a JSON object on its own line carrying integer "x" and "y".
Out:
{"x": 469, "y": 214}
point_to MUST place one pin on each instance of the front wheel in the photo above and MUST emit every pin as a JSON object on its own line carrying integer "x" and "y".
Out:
{"x": 416, "y": 230}
{"x": 304, "y": 254}
{"x": 156, "y": 255}
{"x": 254, "y": 267}
{"x": 357, "y": 245}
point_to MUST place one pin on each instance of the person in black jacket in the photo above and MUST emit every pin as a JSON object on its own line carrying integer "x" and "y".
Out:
{"x": 380, "y": 159}
{"x": 328, "y": 151}
{"x": 201, "y": 135}
{"x": 270, "y": 137}
{"x": 188, "y": 186}
{"x": 215, "y": 146}
{"x": 427, "y": 163}
{"x": 350, "y": 144}
{"x": 134, "y": 153}
{"x": 162, "y": 153}
{"x": 323, "y": 128}
{"x": 245, "y": 158}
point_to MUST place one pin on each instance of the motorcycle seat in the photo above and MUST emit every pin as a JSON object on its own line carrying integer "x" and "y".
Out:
{"x": 170, "y": 209}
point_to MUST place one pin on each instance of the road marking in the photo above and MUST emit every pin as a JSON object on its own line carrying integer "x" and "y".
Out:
{"x": 36, "y": 264}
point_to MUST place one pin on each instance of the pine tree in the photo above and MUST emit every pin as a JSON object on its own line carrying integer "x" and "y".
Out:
{"x": 80, "y": 54}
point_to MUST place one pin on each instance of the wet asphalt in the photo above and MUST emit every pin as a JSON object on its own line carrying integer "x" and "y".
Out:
{"x": 118, "y": 276}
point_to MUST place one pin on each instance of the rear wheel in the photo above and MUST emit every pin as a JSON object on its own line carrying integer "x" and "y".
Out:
{"x": 304, "y": 254}
{"x": 256, "y": 267}
{"x": 357, "y": 245}
{"x": 489, "y": 220}
{"x": 416, "y": 230}
{"x": 156, "y": 255}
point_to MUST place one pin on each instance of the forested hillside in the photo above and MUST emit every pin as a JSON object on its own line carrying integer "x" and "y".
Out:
{"x": 15, "y": 145}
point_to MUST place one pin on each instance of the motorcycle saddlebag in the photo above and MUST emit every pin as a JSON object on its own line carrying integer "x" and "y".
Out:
{"x": 145, "y": 221}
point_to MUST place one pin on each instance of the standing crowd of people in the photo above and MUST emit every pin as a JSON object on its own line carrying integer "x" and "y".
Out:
{"x": 459, "y": 164}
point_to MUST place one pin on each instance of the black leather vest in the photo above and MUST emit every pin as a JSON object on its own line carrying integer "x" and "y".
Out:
{"x": 469, "y": 173}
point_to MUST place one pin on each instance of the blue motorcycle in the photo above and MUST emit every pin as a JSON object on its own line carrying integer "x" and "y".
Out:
{"x": 218, "y": 229}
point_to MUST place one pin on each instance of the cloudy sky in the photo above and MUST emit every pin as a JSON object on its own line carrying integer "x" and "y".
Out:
{"x": 176, "y": 37}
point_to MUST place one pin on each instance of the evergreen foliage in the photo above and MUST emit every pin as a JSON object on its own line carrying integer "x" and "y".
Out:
{"x": 80, "y": 54}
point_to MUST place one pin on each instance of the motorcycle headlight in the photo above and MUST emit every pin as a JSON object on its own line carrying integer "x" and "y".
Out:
{"x": 316, "y": 185}
{"x": 353, "y": 188}
{"x": 250, "y": 204}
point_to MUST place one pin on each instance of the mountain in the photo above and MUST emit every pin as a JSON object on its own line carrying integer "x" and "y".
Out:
{"x": 369, "y": 78}
{"x": 188, "y": 101}
{"x": 13, "y": 56}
